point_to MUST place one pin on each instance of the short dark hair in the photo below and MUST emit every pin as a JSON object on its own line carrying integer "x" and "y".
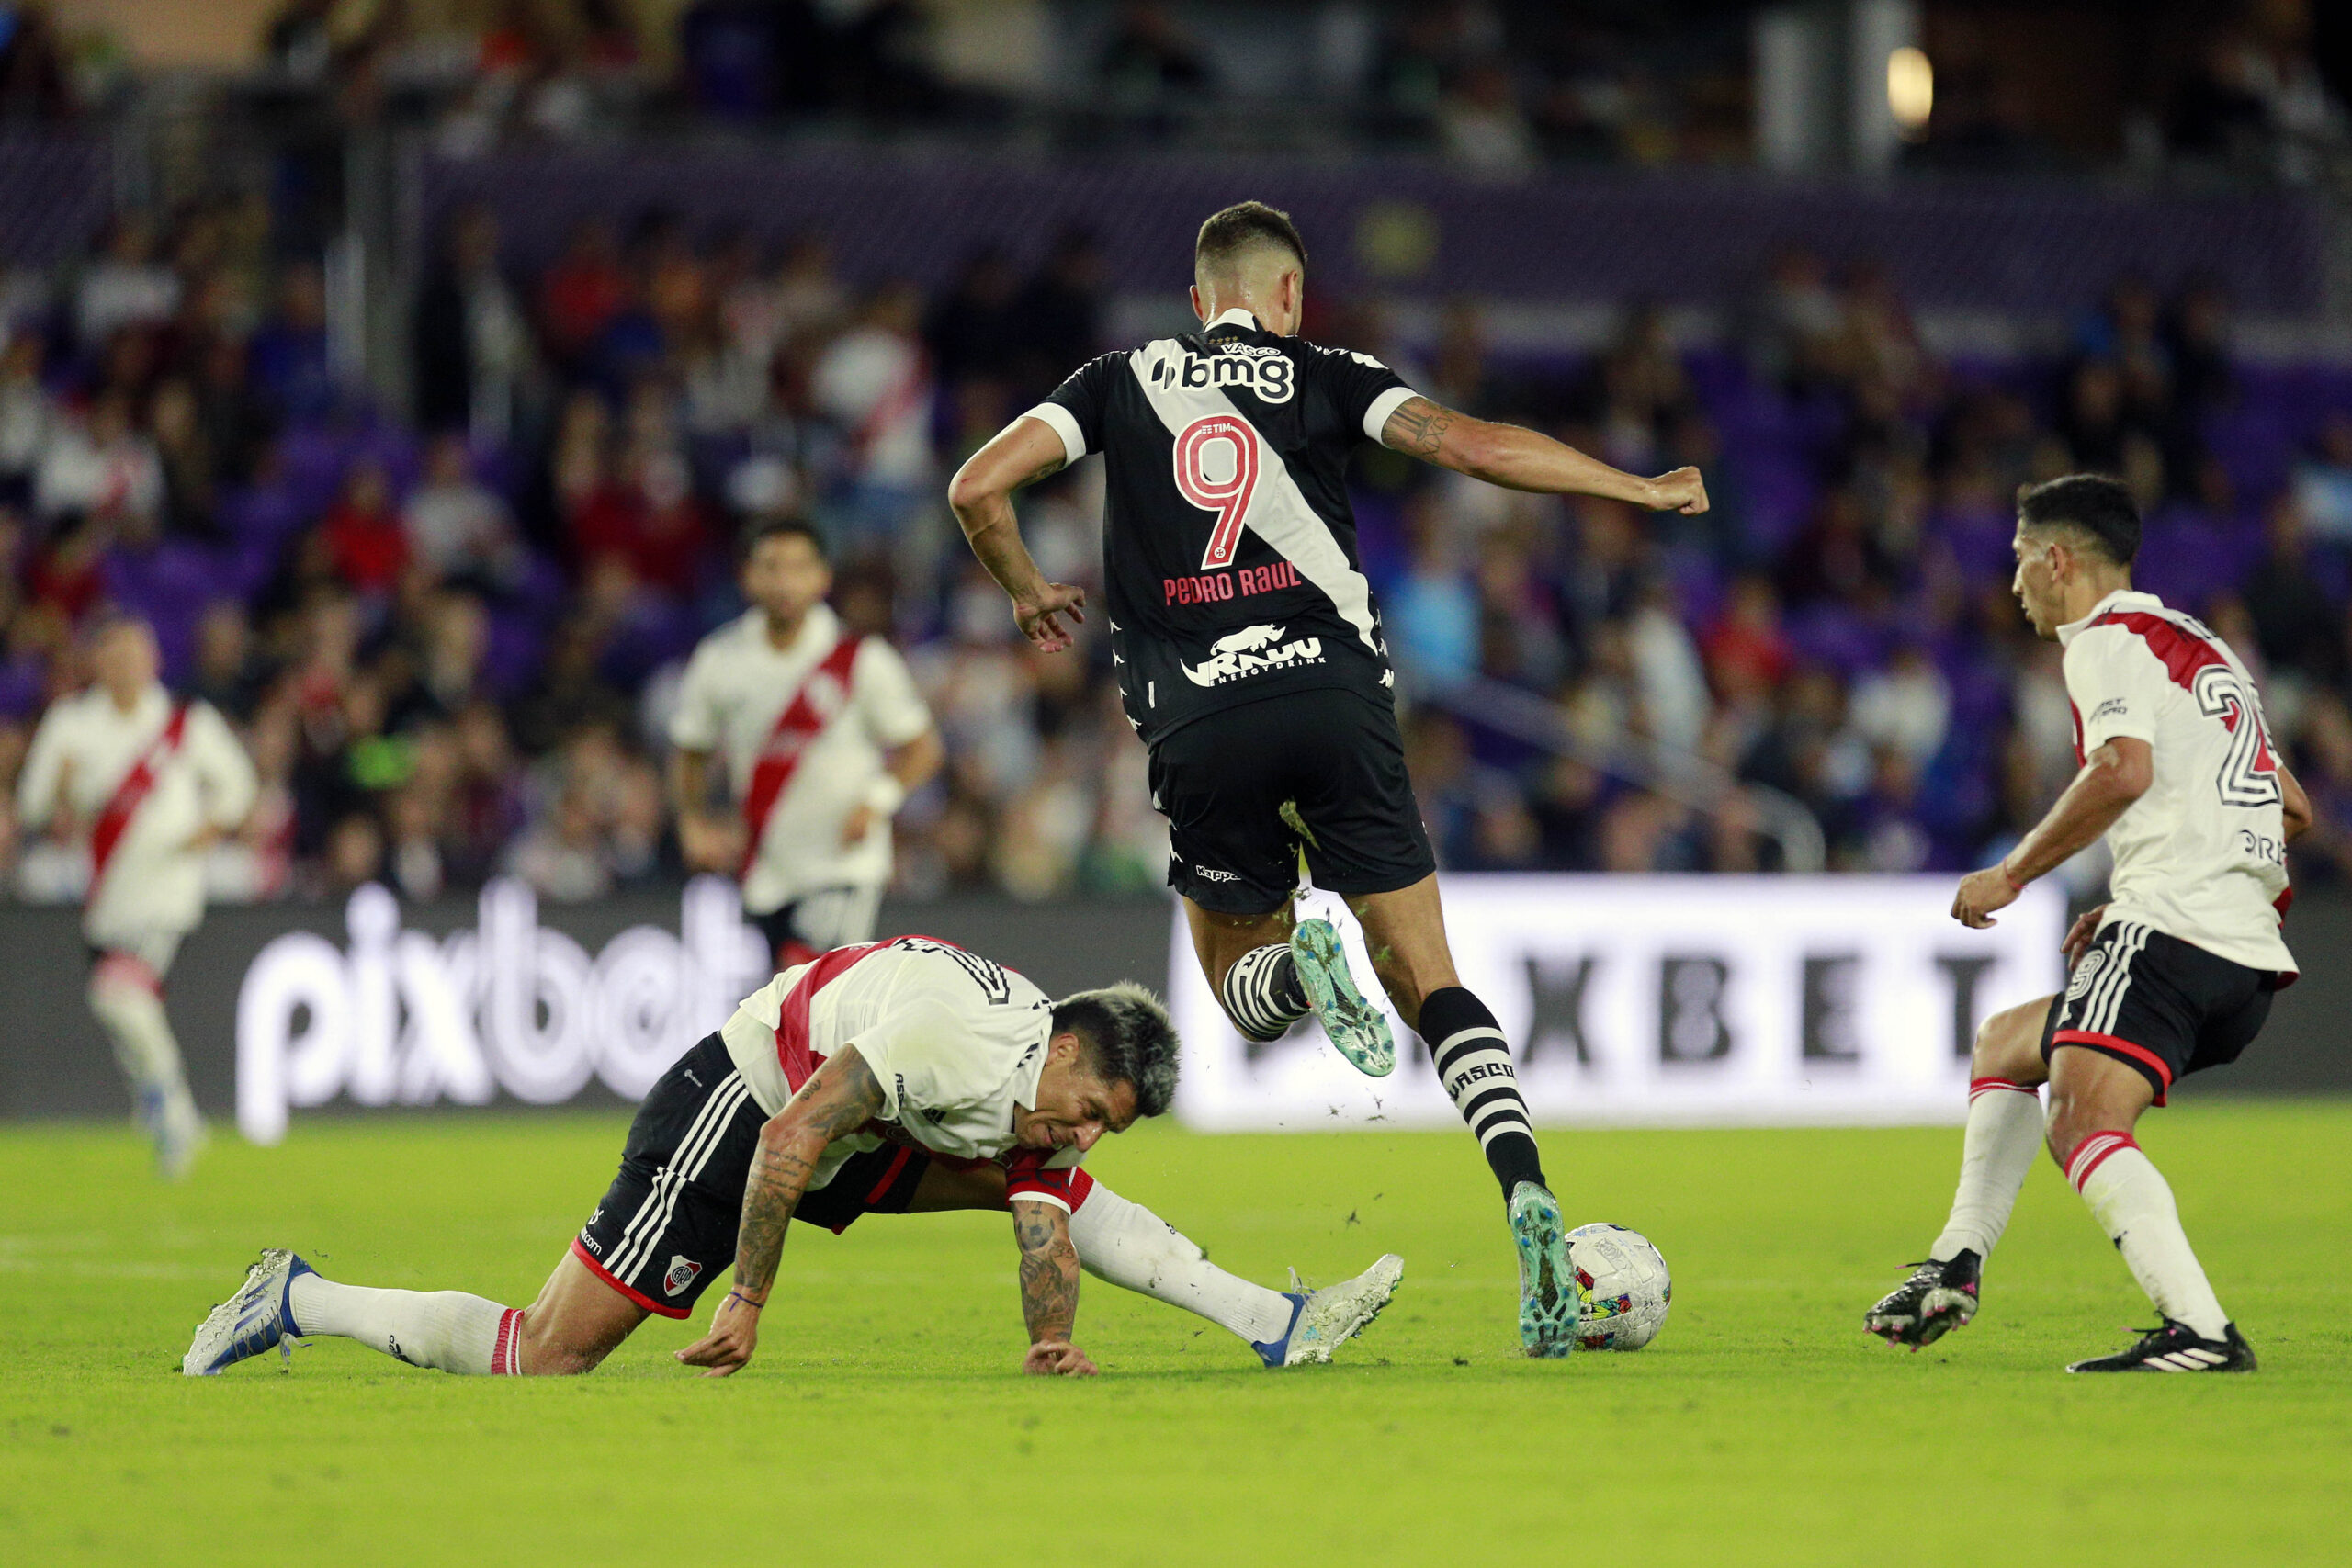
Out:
{"x": 1244, "y": 224}
{"x": 785, "y": 528}
{"x": 2092, "y": 506}
{"x": 1129, "y": 1039}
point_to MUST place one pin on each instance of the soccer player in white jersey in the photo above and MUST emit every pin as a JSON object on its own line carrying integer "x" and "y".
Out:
{"x": 824, "y": 737}
{"x": 2172, "y": 976}
{"x": 150, "y": 783}
{"x": 1253, "y": 663}
{"x": 895, "y": 1076}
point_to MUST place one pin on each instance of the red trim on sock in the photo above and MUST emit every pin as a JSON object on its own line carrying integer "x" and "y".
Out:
{"x": 128, "y": 968}
{"x": 1985, "y": 1085}
{"x": 506, "y": 1359}
{"x": 639, "y": 1297}
{"x": 2093, "y": 1152}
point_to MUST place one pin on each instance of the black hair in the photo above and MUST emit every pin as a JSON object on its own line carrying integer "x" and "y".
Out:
{"x": 785, "y": 528}
{"x": 2092, "y": 506}
{"x": 1129, "y": 1039}
{"x": 1244, "y": 224}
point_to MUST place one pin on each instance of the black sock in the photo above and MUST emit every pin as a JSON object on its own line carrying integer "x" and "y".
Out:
{"x": 1474, "y": 1064}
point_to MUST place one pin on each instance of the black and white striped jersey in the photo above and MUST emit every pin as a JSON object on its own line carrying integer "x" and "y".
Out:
{"x": 1229, "y": 547}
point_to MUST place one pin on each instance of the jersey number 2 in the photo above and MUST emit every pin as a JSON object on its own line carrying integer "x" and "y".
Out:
{"x": 1229, "y": 496}
{"x": 2249, "y": 774}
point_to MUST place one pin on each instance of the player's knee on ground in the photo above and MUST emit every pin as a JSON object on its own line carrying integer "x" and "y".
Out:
{"x": 2008, "y": 1046}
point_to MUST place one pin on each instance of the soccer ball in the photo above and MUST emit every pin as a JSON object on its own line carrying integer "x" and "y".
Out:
{"x": 1626, "y": 1286}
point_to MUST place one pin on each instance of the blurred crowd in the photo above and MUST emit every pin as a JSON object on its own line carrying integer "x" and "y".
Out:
{"x": 1500, "y": 87}
{"x": 451, "y": 633}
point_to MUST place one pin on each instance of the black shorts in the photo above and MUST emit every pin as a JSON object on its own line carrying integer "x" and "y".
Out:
{"x": 668, "y": 1223}
{"x": 1245, "y": 789}
{"x": 2158, "y": 1004}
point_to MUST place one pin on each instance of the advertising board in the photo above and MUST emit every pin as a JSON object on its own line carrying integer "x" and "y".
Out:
{"x": 1663, "y": 1000}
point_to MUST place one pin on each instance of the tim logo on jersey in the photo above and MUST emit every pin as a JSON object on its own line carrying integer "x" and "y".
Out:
{"x": 1250, "y": 650}
{"x": 1256, "y": 368}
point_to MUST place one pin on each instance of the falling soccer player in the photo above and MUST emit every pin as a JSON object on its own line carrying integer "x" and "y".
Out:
{"x": 1252, "y": 664}
{"x": 2172, "y": 976}
{"x": 900, "y": 1076}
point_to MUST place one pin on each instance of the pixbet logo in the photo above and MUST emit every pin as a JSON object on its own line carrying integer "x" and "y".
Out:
{"x": 408, "y": 1018}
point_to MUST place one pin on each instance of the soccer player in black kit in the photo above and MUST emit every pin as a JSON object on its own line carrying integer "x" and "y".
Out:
{"x": 1252, "y": 663}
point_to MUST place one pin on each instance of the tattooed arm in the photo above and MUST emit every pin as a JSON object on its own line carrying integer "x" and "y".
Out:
{"x": 839, "y": 1098}
{"x": 1048, "y": 1289}
{"x": 1517, "y": 459}
{"x": 981, "y": 495}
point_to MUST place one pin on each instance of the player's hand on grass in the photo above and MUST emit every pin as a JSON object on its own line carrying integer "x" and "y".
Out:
{"x": 1981, "y": 893}
{"x": 1682, "y": 490}
{"x": 1040, "y": 615}
{"x": 1053, "y": 1359}
{"x": 727, "y": 1349}
{"x": 2079, "y": 935}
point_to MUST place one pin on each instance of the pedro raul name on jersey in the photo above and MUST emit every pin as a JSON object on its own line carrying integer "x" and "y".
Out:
{"x": 1230, "y": 548}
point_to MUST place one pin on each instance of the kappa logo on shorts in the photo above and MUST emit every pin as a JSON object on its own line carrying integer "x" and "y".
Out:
{"x": 1211, "y": 874}
{"x": 682, "y": 1274}
{"x": 2086, "y": 972}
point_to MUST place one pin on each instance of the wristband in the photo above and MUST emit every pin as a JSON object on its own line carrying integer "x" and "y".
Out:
{"x": 886, "y": 795}
{"x": 739, "y": 1296}
{"x": 2015, "y": 886}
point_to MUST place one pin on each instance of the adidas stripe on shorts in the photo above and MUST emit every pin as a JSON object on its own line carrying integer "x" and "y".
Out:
{"x": 2161, "y": 1006}
{"x": 667, "y": 1225}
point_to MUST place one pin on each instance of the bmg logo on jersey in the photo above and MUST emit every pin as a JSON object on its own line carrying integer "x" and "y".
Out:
{"x": 1262, "y": 370}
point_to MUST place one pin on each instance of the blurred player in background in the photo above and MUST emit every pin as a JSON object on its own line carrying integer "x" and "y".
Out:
{"x": 153, "y": 783}
{"x": 824, "y": 737}
{"x": 899, "y": 1077}
{"x": 1253, "y": 663}
{"x": 2172, "y": 976}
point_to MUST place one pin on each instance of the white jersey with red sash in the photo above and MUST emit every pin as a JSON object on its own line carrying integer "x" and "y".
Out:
{"x": 147, "y": 780}
{"x": 2201, "y": 856}
{"x": 954, "y": 1039}
{"x": 803, "y": 729}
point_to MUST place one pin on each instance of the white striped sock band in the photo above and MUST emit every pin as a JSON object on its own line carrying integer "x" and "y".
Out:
{"x": 1474, "y": 1067}
{"x": 1262, "y": 993}
{"x": 2093, "y": 1152}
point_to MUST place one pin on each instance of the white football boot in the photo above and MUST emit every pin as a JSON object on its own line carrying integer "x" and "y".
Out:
{"x": 1321, "y": 1321}
{"x": 258, "y": 1316}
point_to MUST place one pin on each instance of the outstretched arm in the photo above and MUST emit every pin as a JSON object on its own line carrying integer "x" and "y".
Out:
{"x": 980, "y": 494}
{"x": 1048, "y": 1289}
{"x": 1519, "y": 459}
{"x": 2116, "y": 774}
{"x": 839, "y": 1098}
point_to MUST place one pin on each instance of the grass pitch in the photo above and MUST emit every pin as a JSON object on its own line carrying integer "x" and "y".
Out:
{"x": 885, "y": 1422}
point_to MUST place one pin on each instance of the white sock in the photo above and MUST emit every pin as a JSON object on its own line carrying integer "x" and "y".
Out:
{"x": 132, "y": 1013}
{"x": 1134, "y": 1249}
{"x": 2132, "y": 1201}
{"x": 448, "y": 1329}
{"x": 2003, "y": 1136}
